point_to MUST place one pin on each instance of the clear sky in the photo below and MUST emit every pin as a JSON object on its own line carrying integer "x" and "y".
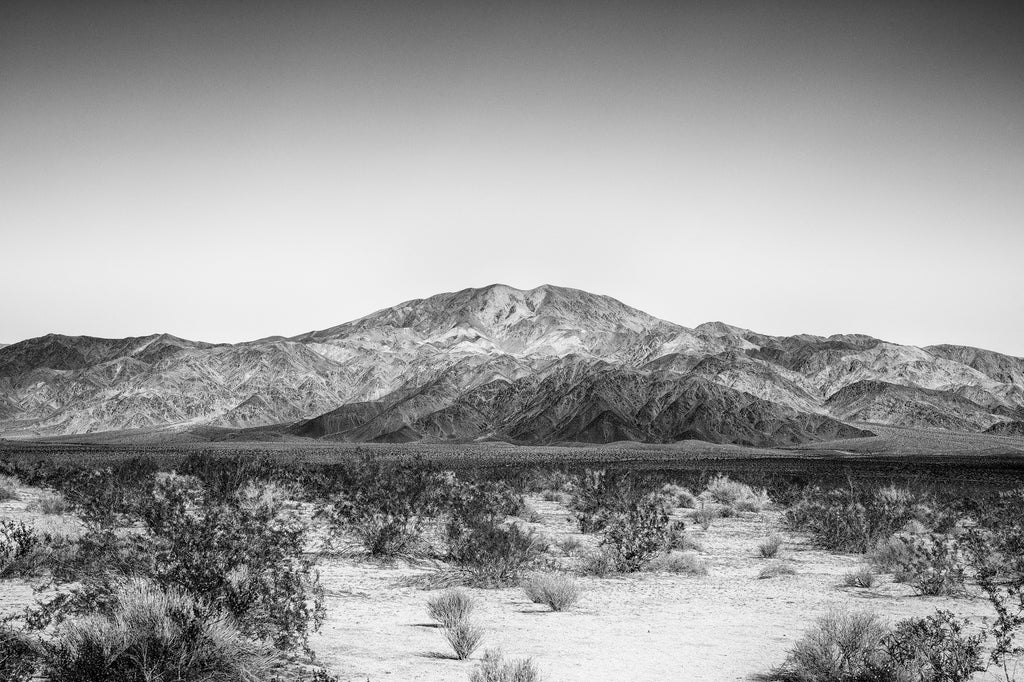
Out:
{"x": 226, "y": 170}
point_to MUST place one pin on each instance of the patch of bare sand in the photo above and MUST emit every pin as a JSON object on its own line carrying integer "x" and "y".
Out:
{"x": 727, "y": 625}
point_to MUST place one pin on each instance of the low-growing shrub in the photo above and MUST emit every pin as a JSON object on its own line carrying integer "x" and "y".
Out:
{"x": 863, "y": 577}
{"x": 892, "y": 555}
{"x": 599, "y": 563}
{"x": 569, "y": 545}
{"x": 675, "y": 562}
{"x": 934, "y": 565}
{"x": 599, "y": 495}
{"x": 839, "y": 647}
{"x": 19, "y": 658}
{"x": 859, "y": 647}
{"x": 704, "y": 516}
{"x": 23, "y": 552}
{"x": 770, "y": 547}
{"x": 8, "y": 488}
{"x": 450, "y": 607}
{"x": 678, "y": 538}
{"x": 679, "y": 496}
{"x": 152, "y": 633}
{"x": 851, "y": 519}
{"x": 636, "y": 535}
{"x": 558, "y": 591}
{"x": 465, "y": 638}
{"x": 724, "y": 490}
{"x": 776, "y": 570}
{"x": 52, "y": 504}
{"x": 933, "y": 649}
{"x": 494, "y": 668}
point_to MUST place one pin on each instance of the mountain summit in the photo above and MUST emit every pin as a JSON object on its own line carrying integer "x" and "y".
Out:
{"x": 550, "y": 364}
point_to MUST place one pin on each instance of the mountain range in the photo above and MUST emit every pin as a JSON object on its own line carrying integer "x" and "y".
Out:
{"x": 545, "y": 365}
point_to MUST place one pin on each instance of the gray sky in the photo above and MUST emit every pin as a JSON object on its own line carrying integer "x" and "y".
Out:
{"x": 227, "y": 171}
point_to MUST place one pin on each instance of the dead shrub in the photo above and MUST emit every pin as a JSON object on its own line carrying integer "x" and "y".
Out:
{"x": 465, "y": 638}
{"x": 770, "y": 547}
{"x": 686, "y": 563}
{"x": 494, "y": 668}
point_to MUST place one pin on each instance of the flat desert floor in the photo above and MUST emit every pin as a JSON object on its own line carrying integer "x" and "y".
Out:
{"x": 726, "y": 625}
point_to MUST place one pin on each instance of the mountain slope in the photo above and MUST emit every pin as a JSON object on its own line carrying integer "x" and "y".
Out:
{"x": 547, "y": 364}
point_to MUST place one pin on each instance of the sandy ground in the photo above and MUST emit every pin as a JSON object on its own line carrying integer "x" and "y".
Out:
{"x": 727, "y": 625}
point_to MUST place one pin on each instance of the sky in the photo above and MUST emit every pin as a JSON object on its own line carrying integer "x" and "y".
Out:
{"x": 226, "y": 171}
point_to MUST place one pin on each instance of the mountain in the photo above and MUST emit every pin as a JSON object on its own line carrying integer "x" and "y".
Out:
{"x": 550, "y": 364}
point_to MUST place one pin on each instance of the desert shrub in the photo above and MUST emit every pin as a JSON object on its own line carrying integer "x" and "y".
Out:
{"x": 22, "y": 551}
{"x": 245, "y": 555}
{"x": 109, "y": 496}
{"x": 892, "y": 555}
{"x": 385, "y": 504}
{"x": 479, "y": 538}
{"x": 569, "y": 545}
{"x": 840, "y": 647}
{"x": 934, "y": 565}
{"x": 770, "y": 547}
{"x": 725, "y": 491}
{"x": 465, "y": 638}
{"x": 494, "y": 668}
{"x": 52, "y": 504}
{"x": 676, "y": 537}
{"x": 862, "y": 577}
{"x": 558, "y": 591}
{"x": 450, "y": 607}
{"x": 776, "y": 570}
{"x": 548, "y": 480}
{"x": 635, "y": 535}
{"x": 679, "y": 496}
{"x": 554, "y": 496}
{"x": 19, "y": 658}
{"x": 933, "y": 649}
{"x": 599, "y": 563}
{"x": 675, "y": 562}
{"x": 704, "y": 516}
{"x": 851, "y": 519}
{"x": 153, "y": 633}
{"x": 8, "y": 488}
{"x": 598, "y": 495}
{"x": 994, "y": 547}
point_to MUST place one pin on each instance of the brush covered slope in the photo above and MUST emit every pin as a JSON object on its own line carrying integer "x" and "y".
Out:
{"x": 544, "y": 365}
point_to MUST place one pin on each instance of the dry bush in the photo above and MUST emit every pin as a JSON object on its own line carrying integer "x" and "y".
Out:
{"x": 686, "y": 563}
{"x": 704, "y": 516}
{"x": 770, "y": 547}
{"x": 52, "y": 504}
{"x": 679, "y": 539}
{"x": 569, "y": 545}
{"x": 150, "y": 633}
{"x": 450, "y": 607}
{"x": 754, "y": 502}
{"x": 679, "y": 496}
{"x": 560, "y": 592}
{"x": 23, "y": 552}
{"x": 599, "y": 563}
{"x": 862, "y": 577}
{"x": 724, "y": 490}
{"x": 838, "y": 648}
{"x": 8, "y": 488}
{"x": 776, "y": 570}
{"x": 465, "y": 638}
{"x": 493, "y": 668}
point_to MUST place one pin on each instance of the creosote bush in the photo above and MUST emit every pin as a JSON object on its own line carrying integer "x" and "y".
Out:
{"x": 450, "y": 607}
{"x": 859, "y": 647}
{"x": 853, "y": 519}
{"x": 558, "y": 591}
{"x": 23, "y": 552}
{"x": 494, "y": 668}
{"x": 634, "y": 536}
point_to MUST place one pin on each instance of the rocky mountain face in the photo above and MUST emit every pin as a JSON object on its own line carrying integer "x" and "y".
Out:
{"x": 549, "y": 364}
